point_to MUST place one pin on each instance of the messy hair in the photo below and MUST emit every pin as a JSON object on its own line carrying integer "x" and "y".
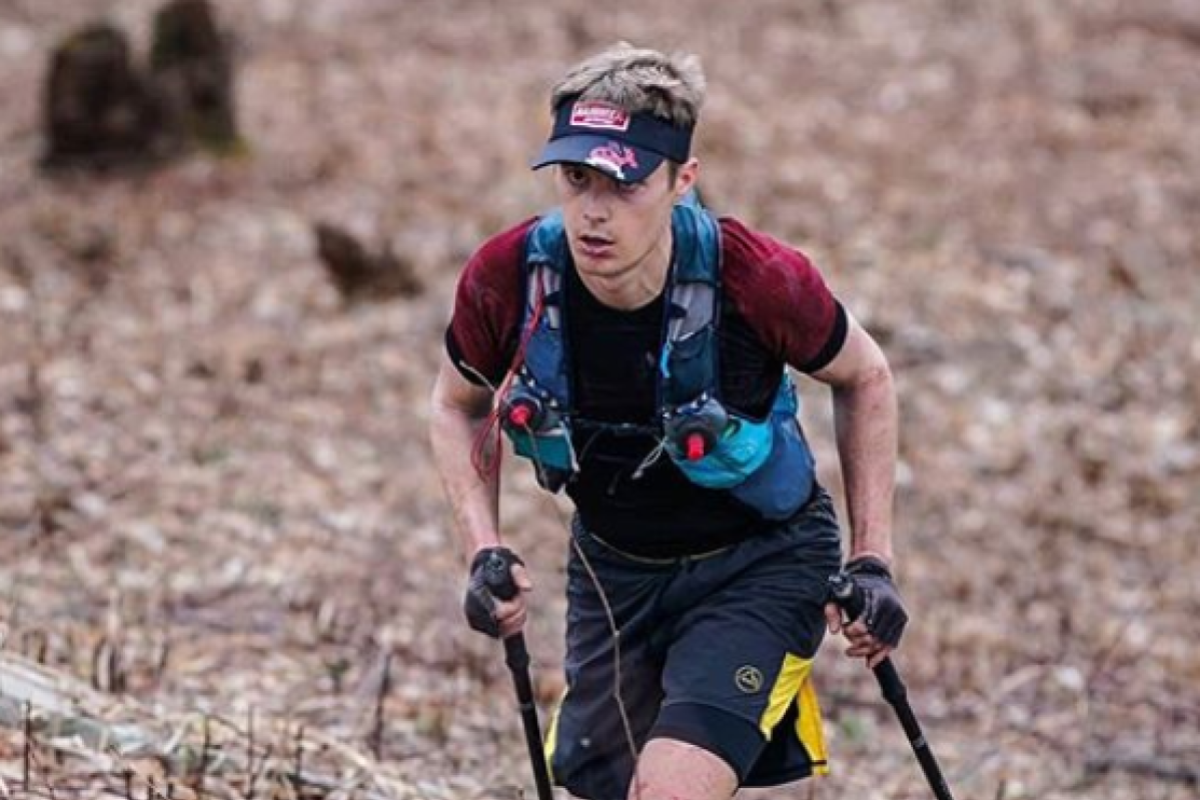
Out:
{"x": 638, "y": 80}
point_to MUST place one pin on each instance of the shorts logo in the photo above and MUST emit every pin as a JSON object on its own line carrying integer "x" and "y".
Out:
{"x": 748, "y": 679}
{"x": 613, "y": 158}
{"x": 594, "y": 114}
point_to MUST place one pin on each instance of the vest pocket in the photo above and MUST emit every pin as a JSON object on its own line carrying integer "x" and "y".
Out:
{"x": 785, "y": 480}
{"x": 741, "y": 451}
{"x": 551, "y": 453}
{"x": 689, "y": 367}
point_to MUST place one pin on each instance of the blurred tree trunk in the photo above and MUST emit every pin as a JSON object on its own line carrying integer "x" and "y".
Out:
{"x": 98, "y": 110}
{"x": 101, "y": 109}
{"x": 191, "y": 65}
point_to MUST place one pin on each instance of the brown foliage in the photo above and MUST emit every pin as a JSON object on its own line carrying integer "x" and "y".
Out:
{"x": 205, "y": 454}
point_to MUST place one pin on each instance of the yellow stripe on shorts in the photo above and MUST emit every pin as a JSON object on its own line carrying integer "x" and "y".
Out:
{"x": 552, "y": 736}
{"x": 795, "y": 683}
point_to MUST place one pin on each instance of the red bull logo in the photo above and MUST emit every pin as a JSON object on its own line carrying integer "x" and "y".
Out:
{"x": 613, "y": 158}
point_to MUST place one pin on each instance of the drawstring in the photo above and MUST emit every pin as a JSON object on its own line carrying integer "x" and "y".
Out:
{"x": 485, "y": 452}
{"x": 650, "y": 460}
{"x": 616, "y": 640}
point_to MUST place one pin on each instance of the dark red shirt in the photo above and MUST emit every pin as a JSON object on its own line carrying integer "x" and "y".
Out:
{"x": 776, "y": 310}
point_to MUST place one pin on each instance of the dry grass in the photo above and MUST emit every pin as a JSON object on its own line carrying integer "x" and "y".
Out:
{"x": 211, "y": 468}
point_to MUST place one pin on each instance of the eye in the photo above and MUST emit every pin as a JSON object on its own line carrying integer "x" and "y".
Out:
{"x": 575, "y": 176}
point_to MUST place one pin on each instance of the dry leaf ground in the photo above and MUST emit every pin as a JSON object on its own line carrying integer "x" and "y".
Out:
{"x": 213, "y": 469}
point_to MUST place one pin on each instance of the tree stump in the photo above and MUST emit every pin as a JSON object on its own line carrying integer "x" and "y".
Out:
{"x": 191, "y": 66}
{"x": 360, "y": 275}
{"x": 98, "y": 110}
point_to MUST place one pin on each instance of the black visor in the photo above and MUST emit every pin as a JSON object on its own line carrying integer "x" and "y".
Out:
{"x": 628, "y": 147}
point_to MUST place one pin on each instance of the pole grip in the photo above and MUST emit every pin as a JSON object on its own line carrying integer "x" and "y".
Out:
{"x": 516, "y": 658}
{"x": 497, "y": 576}
{"x": 849, "y": 597}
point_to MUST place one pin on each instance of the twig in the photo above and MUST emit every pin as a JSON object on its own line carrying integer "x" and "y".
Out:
{"x": 385, "y": 686}
{"x": 1147, "y": 766}
{"x": 257, "y": 773}
{"x": 251, "y": 775}
{"x": 203, "y": 760}
{"x": 299, "y": 761}
{"x": 27, "y": 751}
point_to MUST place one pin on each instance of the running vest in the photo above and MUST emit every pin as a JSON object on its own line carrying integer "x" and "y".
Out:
{"x": 765, "y": 464}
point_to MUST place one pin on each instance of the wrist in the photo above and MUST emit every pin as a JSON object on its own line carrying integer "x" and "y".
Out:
{"x": 884, "y": 557}
{"x": 486, "y": 552}
{"x": 869, "y": 564}
{"x": 481, "y": 542}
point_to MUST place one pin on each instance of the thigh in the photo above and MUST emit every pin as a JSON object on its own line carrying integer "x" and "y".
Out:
{"x": 669, "y": 769}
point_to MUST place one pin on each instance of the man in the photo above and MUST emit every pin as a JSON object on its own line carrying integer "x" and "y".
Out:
{"x": 634, "y": 348}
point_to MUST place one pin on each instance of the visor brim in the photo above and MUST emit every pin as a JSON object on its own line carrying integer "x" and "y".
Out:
{"x": 619, "y": 160}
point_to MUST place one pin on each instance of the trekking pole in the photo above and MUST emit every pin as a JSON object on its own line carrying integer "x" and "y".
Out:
{"x": 849, "y": 597}
{"x": 499, "y": 581}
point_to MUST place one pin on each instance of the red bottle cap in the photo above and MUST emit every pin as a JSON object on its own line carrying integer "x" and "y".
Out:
{"x": 520, "y": 414}
{"x": 694, "y": 446}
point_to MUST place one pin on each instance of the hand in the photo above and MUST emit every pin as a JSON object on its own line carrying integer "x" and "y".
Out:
{"x": 877, "y": 630}
{"x": 495, "y": 600}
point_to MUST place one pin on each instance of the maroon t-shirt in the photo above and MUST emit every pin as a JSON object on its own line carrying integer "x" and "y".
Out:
{"x": 776, "y": 310}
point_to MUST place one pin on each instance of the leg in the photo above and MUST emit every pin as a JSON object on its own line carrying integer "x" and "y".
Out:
{"x": 737, "y": 676}
{"x": 669, "y": 769}
{"x": 587, "y": 742}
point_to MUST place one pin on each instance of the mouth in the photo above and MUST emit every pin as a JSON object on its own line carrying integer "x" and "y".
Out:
{"x": 594, "y": 244}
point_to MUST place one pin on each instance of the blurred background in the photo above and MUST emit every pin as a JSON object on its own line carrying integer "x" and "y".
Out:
{"x": 226, "y": 568}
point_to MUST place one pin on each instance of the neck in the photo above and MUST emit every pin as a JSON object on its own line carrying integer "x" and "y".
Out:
{"x": 636, "y": 286}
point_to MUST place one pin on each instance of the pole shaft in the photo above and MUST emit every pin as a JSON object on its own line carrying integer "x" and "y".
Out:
{"x": 896, "y": 694}
{"x": 516, "y": 656}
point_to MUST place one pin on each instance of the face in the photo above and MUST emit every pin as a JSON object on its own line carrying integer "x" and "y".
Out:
{"x": 616, "y": 228}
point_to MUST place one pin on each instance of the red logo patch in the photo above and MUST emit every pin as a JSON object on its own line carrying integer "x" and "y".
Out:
{"x": 599, "y": 115}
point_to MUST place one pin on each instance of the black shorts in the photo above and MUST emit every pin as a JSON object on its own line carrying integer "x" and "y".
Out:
{"x": 715, "y": 650}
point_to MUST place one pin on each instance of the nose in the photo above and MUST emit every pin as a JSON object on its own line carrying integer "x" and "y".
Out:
{"x": 595, "y": 206}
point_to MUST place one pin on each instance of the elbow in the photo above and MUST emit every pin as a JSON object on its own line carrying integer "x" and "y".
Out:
{"x": 873, "y": 383}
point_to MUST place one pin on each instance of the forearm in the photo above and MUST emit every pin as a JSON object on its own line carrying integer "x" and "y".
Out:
{"x": 474, "y": 498}
{"x": 865, "y": 420}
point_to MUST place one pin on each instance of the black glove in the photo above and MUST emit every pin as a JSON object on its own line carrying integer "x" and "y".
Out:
{"x": 491, "y": 579}
{"x": 883, "y": 611}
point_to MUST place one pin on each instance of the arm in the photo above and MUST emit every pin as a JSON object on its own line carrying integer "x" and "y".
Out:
{"x": 865, "y": 422}
{"x": 865, "y": 425}
{"x": 458, "y": 409}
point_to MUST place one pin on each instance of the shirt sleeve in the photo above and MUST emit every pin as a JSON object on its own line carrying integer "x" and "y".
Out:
{"x": 782, "y": 296}
{"x": 482, "y": 334}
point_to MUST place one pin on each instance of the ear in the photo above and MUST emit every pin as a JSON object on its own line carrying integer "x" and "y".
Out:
{"x": 686, "y": 177}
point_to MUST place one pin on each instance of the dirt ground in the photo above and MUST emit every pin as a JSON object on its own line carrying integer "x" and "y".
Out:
{"x": 216, "y": 494}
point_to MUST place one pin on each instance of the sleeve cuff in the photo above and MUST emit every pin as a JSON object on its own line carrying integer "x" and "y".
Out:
{"x": 833, "y": 345}
{"x": 460, "y": 363}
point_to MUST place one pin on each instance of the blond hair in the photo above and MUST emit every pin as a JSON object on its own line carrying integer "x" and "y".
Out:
{"x": 638, "y": 80}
